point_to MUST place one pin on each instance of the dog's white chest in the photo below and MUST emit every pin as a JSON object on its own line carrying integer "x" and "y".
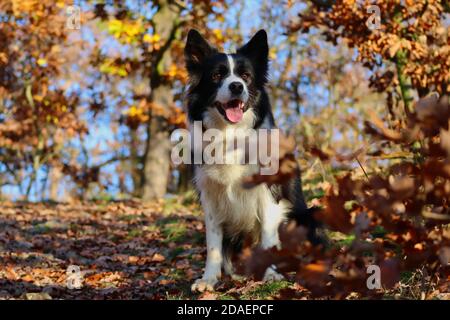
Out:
{"x": 239, "y": 209}
{"x": 220, "y": 183}
{"x": 228, "y": 175}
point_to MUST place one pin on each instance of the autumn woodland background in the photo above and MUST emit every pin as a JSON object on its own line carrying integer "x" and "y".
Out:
{"x": 87, "y": 107}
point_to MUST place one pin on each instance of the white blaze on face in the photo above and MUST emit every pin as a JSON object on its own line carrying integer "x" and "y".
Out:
{"x": 224, "y": 94}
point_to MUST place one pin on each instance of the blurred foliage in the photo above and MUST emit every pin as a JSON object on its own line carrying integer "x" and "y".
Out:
{"x": 77, "y": 105}
{"x": 394, "y": 214}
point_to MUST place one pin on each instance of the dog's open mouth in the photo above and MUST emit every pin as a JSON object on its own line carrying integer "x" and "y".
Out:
{"x": 233, "y": 110}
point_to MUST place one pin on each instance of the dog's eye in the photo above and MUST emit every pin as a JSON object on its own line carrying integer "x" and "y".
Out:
{"x": 216, "y": 76}
{"x": 245, "y": 76}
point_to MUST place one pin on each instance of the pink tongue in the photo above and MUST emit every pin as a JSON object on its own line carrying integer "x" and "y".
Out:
{"x": 234, "y": 111}
{"x": 234, "y": 114}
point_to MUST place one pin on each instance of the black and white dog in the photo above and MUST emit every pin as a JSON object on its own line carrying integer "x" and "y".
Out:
{"x": 228, "y": 91}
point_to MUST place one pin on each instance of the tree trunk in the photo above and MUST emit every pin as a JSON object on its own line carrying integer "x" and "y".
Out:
{"x": 136, "y": 175}
{"x": 185, "y": 179}
{"x": 157, "y": 155}
{"x": 55, "y": 180}
{"x": 156, "y": 161}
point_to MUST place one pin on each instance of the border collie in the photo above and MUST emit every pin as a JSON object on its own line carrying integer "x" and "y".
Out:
{"x": 227, "y": 91}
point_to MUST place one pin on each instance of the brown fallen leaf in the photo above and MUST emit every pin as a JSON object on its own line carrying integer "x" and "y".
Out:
{"x": 334, "y": 215}
{"x": 133, "y": 259}
{"x": 288, "y": 168}
{"x": 27, "y": 278}
{"x": 390, "y": 272}
{"x": 287, "y": 165}
{"x": 314, "y": 273}
{"x": 377, "y": 128}
{"x": 158, "y": 258}
{"x": 37, "y": 296}
{"x": 208, "y": 296}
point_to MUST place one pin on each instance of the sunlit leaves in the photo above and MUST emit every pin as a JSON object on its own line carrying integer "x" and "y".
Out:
{"x": 42, "y": 62}
{"x": 126, "y": 31}
{"x": 407, "y": 200}
{"x": 37, "y": 113}
{"x": 415, "y": 28}
{"x": 109, "y": 66}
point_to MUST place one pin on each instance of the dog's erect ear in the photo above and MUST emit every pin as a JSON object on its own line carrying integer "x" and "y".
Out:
{"x": 196, "y": 51}
{"x": 257, "y": 50}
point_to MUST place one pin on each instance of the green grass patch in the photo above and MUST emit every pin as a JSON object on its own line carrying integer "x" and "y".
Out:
{"x": 176, "y": 274}
{"x": 313, "y": 194}
{"x": 340, "y": 239}
{"x": 266, "y": 290}
{"x": 129, "y": 217}
{"x": 225, "y": 297}
{"x": 173, "y": 229}
{"x": 189, "y": 197}
{"x": 174, "y": 232}
{"x": 175, "y": 252}
{"x": 150, "y": 228}
{"x": 406, "y": 276}
{"x": 378, "y": 232}
{"x": 348, "y": 205}
{"x": 347, "y": 241}
{"x": 133, "y": 233}
{"x": 171, "y": 205}
{"x": 104, "y": 197}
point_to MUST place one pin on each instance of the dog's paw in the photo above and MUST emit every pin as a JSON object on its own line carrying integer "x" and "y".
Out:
{"x": 201, "y": 285}
{"x": 272, "y": 275}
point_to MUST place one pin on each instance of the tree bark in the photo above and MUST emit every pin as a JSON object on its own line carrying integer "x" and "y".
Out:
{"x": 185, "y": 179}
{"x": 157, "y": 156}
{"x": 135, "y": 162}
{"x": 55, "y": 180}
{"x": 156, "y": 160}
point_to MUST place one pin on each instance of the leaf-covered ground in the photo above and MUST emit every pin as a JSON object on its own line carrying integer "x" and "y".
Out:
{"x": 125, "y": 250}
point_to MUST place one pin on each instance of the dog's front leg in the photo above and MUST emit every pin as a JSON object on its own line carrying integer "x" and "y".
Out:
{"x": 273, "y": 215}
{"x": 214, "y": 236}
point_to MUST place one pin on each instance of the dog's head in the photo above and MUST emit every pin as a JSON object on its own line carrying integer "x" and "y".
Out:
{"x": 225, "y": 87}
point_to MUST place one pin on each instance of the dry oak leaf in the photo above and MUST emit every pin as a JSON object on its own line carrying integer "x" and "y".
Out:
{"x": 287, "y": 166}
{"x": 158, "y": 258}
{"x": 208, "y": 296}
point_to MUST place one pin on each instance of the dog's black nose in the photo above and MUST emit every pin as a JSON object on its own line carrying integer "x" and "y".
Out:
{"x": 236, "y": 87}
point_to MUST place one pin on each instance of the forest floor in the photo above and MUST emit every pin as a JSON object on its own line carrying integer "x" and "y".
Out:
{"x": 124, "y": 250}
